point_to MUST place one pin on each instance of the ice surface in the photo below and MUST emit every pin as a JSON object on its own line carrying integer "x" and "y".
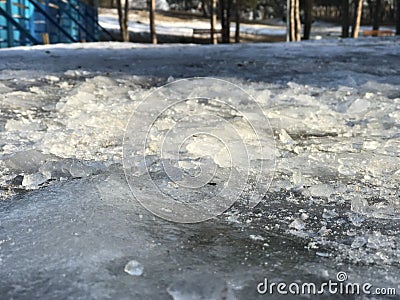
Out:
{"x": 69, "y": 225}
{"x": 199, "y": 287}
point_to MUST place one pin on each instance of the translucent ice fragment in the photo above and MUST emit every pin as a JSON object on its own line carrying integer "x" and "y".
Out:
{"x": 32, "y": 181}
{"x": 358, "y": 106}
{"x": 24, "y": 125}
{"x": 134, "y": 268}
{"x": 55, "y": 170}
{"x": 297, "y": 224}
{"x": 27, "y": 161}
{"x": 359, "y": 204}
{"x": 70, "y": 168}
{"x": 379, "y": 241}
{"x": 285, "y": 138}
{"x": 327, "y": 214}
{"x": 297, "y": 177}
{"x": 80, "y": 169}
{"x": 321, "y": 190}
{"x": 52, "y": 78}
{"x": 356, "y": 219}
{"x": 256, "y": 237}
{"x": 358, "y": 242}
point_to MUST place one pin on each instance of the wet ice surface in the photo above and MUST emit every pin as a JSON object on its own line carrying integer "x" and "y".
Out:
{"x": 69, "y": 225}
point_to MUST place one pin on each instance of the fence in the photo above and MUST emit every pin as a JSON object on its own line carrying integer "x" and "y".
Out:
{"x": 30, "y": 22}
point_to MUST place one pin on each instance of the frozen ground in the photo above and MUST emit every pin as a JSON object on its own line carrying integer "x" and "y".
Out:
{"x": 69, "y": 224}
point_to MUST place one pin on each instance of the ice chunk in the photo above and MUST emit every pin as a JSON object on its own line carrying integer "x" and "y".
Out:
{"x": 24, "y": 125}
{"x": 21, "y": 100}
{"x": 4, "y": 89}
{"x": 80, "y": 169}
{"x": 323, "y": 231}
{"x": 52, "y": 78}
{"x": 358, "y": 242}
{"x": 304, "y": 216}
{"x": 379, "y": 241}
{"x": 134, "y": 268}
{"x": 327, "y": 214}
{"x": 55, "y": 170}
{"x": 76, "y": 73}
{"x": 285, "y": 138}
{"x": 359, "y": 204}
{"x": 27, "y": 161}
{"x": 297, "y": 224}
{"x": 321, "y": 190}
{"x": 358, "y": 106}
{"x": 356, "y": 219}
{"x": 347, "y": 167}
{"x": 70, "y": 168}
{"x": 32, "y": 181}
{"x": 256, "y": 237}
{"x": 297, "y": 177}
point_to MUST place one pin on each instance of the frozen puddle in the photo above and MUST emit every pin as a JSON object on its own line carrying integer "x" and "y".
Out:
{"x": 69, "y": 226}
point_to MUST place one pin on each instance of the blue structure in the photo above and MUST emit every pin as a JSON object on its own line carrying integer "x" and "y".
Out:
{"x": 24, "y": 22}
{"x": 15, "y": 23}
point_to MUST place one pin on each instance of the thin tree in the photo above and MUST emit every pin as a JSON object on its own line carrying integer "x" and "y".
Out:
{"x": 307, "y": 18}
{"x": 377, "y": 15}
{"x": 345, "y": 18}
{"x": 292, "y": 28}
{"x": 398, "y": 17}
{"x": 357, "y": 19}
{"x": 213, "y": 21}
{"x": 237, "y": 20}
{"x": 205, "y": 8}
{"x": 153, "y": 34}
{"x": 294, "y": 21}
{"x": 123, "y": 15}
{"x": 225, "y": 20}
{"x": 297, "y": 20}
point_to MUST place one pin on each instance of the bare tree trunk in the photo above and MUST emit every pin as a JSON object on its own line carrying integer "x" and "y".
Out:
{"x": 377, "y": 15}
{"x": 294, "y": 21}
{"x": 345, "y": 18}
{"x": 371, "y": 8}
{"x": 237, "y": 32}
{"x": 298, "y": 22}
{"x": 222, "y": 4}
{"x": 153, "y": 34}
{"x": 126, "y": 20}
{"x": 205, "y": 8}
{"x": 398, "y": 17}
{"x": 213, "y": 21}
{"x": 357, "y": 19}
{"x": 292, "y": 28}
{"x": 123, "y": 15}
{"x": 225, "y": 20}
{"x": 308, "y": 18}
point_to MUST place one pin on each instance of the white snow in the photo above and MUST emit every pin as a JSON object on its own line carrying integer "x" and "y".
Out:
{"x": 109, "y": 20}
